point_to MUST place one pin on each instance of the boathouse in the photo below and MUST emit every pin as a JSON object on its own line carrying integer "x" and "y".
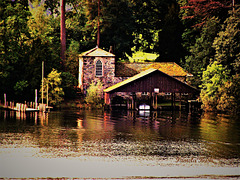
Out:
{"x": 152, "y": 81}
{"x": 128, "y": 79}
{"x": 98, "y": 64}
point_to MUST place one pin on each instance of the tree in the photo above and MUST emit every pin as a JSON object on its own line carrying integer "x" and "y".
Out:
{"x": 44, "y": 43}
{"x": 38, "y": 23}
{"x": 213, "y": 79}
{"x": 69, "y": 82}
{"x": 13, "y": 45}
{"x": 160, "y": 28}
{"x": 63, "y": 33}
{"x": 202, "y": 51}
{"x": 53, "y": 84}
{"x": 202, "y": 10}
{"x": 72, "y": 56}
{"x": 117, "y": 24}
{"x": 227, "y": 44}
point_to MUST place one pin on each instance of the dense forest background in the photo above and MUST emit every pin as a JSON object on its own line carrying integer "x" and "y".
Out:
{"x": 203, "y": 36}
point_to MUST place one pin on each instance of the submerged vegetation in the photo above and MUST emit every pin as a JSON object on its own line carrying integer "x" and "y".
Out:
{"x": 203, "y": 36}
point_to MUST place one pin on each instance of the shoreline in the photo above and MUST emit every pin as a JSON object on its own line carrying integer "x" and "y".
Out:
{"x": 30, "y": 162}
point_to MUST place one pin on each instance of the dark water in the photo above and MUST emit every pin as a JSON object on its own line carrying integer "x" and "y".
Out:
{"x": 206, "y": 138}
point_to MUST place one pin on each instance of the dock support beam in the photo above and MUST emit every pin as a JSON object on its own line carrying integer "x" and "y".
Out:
{"x": 107, "y": 99}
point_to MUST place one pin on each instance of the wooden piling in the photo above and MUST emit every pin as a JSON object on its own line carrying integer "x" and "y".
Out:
{"x": 5, "y": 100}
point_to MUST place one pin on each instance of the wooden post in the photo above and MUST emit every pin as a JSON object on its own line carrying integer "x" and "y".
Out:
{"x": 36, "y": 98}
{"x": 153, "y": 103}
{"x": 133, "y": 100}
{"x": 107, "y": 99}
{"x": 47, "y": 95}
{"x": 5, "y": 99}
{"x": 42, "y": 79}
{"x": 174, "y": 100}
{"x": 156, "y": 102}
{"x": 180, "y": 103}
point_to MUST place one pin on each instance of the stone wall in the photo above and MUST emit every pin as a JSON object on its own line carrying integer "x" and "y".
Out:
{"x": 89, "y": 71}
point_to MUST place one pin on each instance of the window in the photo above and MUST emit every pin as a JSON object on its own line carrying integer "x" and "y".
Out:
{"x": 99, "y": 70}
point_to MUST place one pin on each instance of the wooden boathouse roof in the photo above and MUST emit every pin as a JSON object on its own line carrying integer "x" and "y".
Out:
{"x": 150, "y": 79}
{"x": 130, "y": 69}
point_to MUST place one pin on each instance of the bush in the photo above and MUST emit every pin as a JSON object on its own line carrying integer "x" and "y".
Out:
{"x": 94, "y": 94}
{"x": 55, "y": 91}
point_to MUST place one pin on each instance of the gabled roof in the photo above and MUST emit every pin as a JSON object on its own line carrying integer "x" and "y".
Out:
{"x": 131, "y": 69}
{"x": 97, "y": 52}
{"x": 141, "y": 75}
{"x": 129, "y": 80}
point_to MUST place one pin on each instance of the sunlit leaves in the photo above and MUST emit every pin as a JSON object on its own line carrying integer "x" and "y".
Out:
{"x": 202, "y": 51}
{"x": 214, "y": 78}
{"x": 52, "y": 87}
{"x": 38, "y": 24}
{"x": 94, "y": 94}
{"x": 227, "y": 44}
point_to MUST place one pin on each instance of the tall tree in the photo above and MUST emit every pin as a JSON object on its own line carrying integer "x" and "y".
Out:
{"x": 63, "y": 33}
{"x": 116, "y": 24}
{"x": 202, "y": 10}
{"x": 43, "y": 43}
{"x": 227, "y": 44}
{"x": 170, "y": 37}
{"x": 202, "y": 51}
{"x": 224, "y": 95}
{"x": 159, "y": 25}
{"x": 13, "y": 45}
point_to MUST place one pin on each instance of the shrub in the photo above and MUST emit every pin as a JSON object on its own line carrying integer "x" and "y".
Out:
{"x": 94, "y": 94}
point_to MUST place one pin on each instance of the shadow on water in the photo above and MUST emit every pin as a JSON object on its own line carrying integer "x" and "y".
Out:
{"x": 123, "y": 133}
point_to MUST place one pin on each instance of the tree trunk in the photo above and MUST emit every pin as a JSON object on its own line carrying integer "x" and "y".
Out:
{"x": 63, "y": 33}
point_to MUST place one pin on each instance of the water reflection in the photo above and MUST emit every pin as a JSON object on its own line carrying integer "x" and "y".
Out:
{"x": 123, "y": 133}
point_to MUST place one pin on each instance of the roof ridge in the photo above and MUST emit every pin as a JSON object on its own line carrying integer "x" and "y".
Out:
{"x": 140, "y": 75}
{"x": 145, "y": 62}
{"x": 137, "y": 76}
{"x": 97, "y": 52}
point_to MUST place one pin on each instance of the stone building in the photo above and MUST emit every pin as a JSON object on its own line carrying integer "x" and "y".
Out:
{"x": 98, "y": 64}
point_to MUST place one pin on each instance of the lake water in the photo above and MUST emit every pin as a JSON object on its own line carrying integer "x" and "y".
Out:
{"x": 118, "y": 144}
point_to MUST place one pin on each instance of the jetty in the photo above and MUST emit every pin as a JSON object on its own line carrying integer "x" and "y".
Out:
{"x": 25, "y": 107}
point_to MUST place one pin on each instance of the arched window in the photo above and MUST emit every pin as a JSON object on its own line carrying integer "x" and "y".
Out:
{"x": 99, "y": 70}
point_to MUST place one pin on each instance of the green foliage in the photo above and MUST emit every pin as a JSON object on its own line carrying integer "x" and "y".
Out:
{"x": 214, "y": 78}
{"x": 13, "y": 35}
{"x": 21, "y": 90}
{"x": 20, "y": 86}
{"x": 230, "y": 96}
{"x": 202, "y": 51}
{"x": 94, "y": 94}
{"x": 38, "y": 23}
{"x": 227, "y": 44}
{"x": 69, "y": 82}
{"x": 72, "y": 55}
{"x": 140, "y": 56}
{"x": 158, "y": 29}
{"x": 30, "y": 34}
{"x": 53, "y": 83}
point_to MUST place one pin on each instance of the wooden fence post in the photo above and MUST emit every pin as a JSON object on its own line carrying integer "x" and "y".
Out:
{"x": 5, "y": 99}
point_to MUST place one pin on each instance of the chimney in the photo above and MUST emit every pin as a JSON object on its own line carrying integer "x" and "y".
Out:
{"x": 111, "y": 49}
